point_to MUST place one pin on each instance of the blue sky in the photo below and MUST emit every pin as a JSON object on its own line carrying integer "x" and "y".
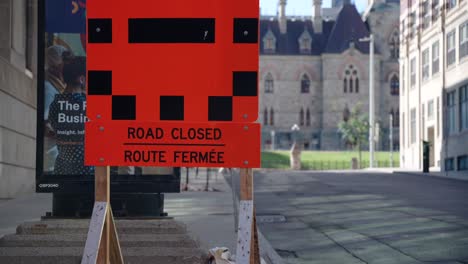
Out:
{"x": 300, "y": 7}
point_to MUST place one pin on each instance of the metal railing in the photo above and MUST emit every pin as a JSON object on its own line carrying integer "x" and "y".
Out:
{"x": 326, "y": 164}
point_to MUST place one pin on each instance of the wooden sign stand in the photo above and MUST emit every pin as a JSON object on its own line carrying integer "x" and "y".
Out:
{"x": 102, "y": 244}
{"x": 247, "y": 239}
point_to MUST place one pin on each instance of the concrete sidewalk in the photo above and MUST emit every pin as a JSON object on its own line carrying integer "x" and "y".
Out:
{"x": 456, "y": 175}
{"x": 209, "y": 216}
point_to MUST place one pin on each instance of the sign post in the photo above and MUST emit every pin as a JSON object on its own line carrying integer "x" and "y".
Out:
{"x": 102, "y": 244}
{"x": 247, "y": 240}
{"x": 173, "y": 83}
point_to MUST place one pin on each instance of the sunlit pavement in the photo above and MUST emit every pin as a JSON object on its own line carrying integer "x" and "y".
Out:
{"x": 316, "y": 217}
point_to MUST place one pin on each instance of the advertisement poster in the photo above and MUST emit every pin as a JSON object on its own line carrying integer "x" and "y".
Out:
{"x": 62, "y": 99}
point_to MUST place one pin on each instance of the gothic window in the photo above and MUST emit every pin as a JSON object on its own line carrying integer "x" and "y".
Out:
{"x": 301, "y": 117}
{"x": 308, "y": 117}
{"x": 269, "y": 42}
{"x": 265, "y": 117}
{"x": 305, "y": 84}
{"x": 394, "y": 44}
{"x": 305, "y": 42}
{"x": 395, "y": 117}
{"x": 351, "y": 80}
{"x": 395, "y": 85}
{"x": 269, "y": 83}
{"x": 272, "y": 117}
{"x": 357, "y": 84}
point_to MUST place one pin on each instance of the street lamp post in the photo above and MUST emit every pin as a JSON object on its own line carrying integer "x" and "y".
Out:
{"x": 391, "y": 141}
{"x": 370, "y": 39}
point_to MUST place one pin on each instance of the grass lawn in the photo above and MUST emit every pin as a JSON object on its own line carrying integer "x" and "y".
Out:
{"x": 323, "y": 160}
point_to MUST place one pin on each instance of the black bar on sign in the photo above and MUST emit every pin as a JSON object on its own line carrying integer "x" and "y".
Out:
{"x": 171, "y": 30}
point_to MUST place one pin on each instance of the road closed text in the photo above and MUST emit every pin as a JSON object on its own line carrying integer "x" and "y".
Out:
{"x": 176, "y": 133}
{"x": 173, "y": 144}
{"x": 178, "y": 156}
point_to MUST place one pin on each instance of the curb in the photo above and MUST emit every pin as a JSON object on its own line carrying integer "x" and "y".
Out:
{"x": 432, "y": 174}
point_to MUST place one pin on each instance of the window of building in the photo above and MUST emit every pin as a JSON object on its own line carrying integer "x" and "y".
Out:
{"x": 449, "y": 164}
{"x": 395, "y": 117}
{"x": 464, "y": 107}
{"x": 413, "y": 72}
{"x": 435, "y": 10}
{"x": 413, "y": 26}
{"x": 423, "y": 117}
{"x": 430, "y": 110}
{"x": 425, "y": 15}
{"x": 395, "y": 85}
{"x": 272, "y": 117}
{"x": 403, "y": 74}
{"x": 269, "y": 83}
{"x": 413, "y": 125}
{"x": 451, "y": 4}
{"x": 305, "y": 84}
{"x": 305, "y": 42}
{"x": 269, "y": 42}
{"x": 462, "y": 162}
{"x": 451, "y": 112}
{"x": 435, "y": 57}
{"x": 394, "y": 44}
{"x": 425, "y": 64}
{"x": 308, "y": 117}
{"x": 463, "y": 48}
{"x": 30, "y": 36}
{"x": 451, "y": 48}
{"x": 265, "y": 117}
{"x": 301, "y": 117}
{"x": 351, "y": 80}
{"x": 403, "y": 29}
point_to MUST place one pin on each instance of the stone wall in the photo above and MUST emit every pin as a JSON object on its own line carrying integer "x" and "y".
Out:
{"x": 18, "y": 96}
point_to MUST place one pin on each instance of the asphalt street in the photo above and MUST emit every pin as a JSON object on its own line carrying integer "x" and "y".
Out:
{"x": 343, "y": 217}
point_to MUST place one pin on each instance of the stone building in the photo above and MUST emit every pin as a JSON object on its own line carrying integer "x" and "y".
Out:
{"x": 18, "y": 92}
{"x": 434, "y": 85}
{"x": 313, "y": 70}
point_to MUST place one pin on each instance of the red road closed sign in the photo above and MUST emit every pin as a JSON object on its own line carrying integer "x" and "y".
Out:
{"x": 179, "y": 66}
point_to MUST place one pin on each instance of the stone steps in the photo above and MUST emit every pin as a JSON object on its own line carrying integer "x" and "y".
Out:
{"x": 81, "y": 227}
{"x": 72, "y": 240}
{"x": 62, "y": 241}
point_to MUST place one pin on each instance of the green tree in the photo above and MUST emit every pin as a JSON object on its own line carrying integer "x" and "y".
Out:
{"x": 354, "y": 130}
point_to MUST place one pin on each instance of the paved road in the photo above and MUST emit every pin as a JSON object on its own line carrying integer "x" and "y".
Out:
{"x": 348, "y": 218}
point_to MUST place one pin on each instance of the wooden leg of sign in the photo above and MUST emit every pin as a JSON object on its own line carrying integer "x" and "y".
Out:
{"x": 115, "y": 250}
{"x": 102, "y": 194}
{"x": 254, "y": 247}
{"x": 247, "y": 240}
{"x": 102, "y": 244}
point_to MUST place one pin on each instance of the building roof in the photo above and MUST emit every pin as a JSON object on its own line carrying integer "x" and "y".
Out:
{"x": 349, "y": 28}
{"x": 335, "y": 37}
